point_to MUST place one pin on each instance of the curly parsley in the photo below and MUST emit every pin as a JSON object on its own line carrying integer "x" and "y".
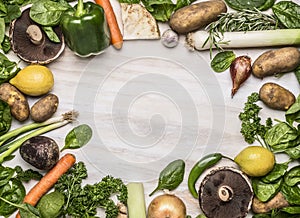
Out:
{"x": 83, "y": 201}
{"x": 251, "y": 127}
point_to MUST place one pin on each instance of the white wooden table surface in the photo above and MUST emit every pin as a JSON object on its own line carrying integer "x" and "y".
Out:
{"x": 149, "y": 105}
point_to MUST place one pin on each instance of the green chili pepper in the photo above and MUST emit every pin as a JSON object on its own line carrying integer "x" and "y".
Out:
{"x": 171, "y": 176}
{"x": 204, "y": 163}
{"x": 85, "y": 29}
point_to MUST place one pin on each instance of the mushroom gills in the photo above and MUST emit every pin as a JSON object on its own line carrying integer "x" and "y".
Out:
{"x": 225, "y": 192}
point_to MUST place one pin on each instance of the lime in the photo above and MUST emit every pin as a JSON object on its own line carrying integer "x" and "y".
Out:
{"x": 33, "y": 80}
{"x": 255, "y": 161}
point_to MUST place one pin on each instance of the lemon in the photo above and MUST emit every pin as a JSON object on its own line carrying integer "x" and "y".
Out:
{"x": 255, "y": 161}
{"x": 33, "y": 80}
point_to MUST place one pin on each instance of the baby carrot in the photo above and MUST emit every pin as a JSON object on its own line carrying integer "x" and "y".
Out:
{"x": 115, "y": 33}
{"x": 48, "y": 180}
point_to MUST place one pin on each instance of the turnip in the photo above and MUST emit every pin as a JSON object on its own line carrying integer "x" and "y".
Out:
{"x": 166, "y": 206}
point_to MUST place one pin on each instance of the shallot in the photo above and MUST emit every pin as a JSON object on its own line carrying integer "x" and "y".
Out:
{"x": 240, "y": 70}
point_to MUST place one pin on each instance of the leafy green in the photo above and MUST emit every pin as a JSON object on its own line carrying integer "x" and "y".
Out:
{"x": 288, "y": 13}
{"x": 250, "y": 4}
{"x": 265, "y": 191}
{"x": 78, "y": 137}
{"x": 5, "y": 117}
{"x": 251, "y": 127}
{"x": 51, "y": 204}
{"x": 8, "y": 69}
{"x": 292, "y": 177}
{"x": 83, "y": 201}
{"x": 48, "y": 13}
{"x": 161, "y": 10}
{"x": 222, "y": 61}
{"x": 297, "y": 73}
{"x": 27, "y": 175}
{"x": 277, "y": 172}
{"x": 291, "y": 194}
{"x": 293, "y": 113}
{"x": 171, "y": 176}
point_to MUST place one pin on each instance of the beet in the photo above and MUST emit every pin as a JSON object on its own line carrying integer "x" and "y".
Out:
{"x": 40, "y": 151}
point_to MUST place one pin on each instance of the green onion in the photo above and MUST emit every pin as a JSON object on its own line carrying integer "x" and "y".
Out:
{"x": 250, "y": 39}
{"x": 51, "y": 124}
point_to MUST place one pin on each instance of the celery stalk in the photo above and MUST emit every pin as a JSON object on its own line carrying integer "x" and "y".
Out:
{"x": 136, "y": 205}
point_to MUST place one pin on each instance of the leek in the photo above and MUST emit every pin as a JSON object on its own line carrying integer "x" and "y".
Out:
{"x": 38, "y": 128}
{"x": 136, "y": 205}
{"x": 200, "y": 40}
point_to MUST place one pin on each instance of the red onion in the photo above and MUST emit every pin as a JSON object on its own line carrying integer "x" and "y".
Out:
{"x": 240, "y": 70}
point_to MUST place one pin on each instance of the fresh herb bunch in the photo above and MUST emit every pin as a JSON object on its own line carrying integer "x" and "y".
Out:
{"x": 251, "y": 127}
{"x": 83, "y": 201}
{"x": 241, "y": 21}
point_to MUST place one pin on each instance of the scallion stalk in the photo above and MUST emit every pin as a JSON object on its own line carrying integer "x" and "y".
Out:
{"x": 44, "y": 127}
{"x": 200, "y": 40}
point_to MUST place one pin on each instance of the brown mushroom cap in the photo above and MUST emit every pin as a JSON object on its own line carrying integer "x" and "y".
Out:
{"x": 31, "y": 44}
{"x": 225, "y": 193}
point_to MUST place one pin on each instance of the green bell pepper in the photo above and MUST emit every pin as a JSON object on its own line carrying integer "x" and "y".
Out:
{"x": 85, "y": 29}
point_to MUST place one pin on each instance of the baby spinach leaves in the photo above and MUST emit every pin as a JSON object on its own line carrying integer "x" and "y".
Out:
{"x": 78, "y": 137}
{"x": 171, "y": 176}
{"x": 288, "y": 13}
{"x": 5, "y": 117}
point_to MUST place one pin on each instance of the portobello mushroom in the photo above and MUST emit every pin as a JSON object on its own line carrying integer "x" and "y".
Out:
{"x": 225, "y": 192}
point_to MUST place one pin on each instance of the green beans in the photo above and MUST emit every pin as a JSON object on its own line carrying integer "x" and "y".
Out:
{"x": 204, "y": 163}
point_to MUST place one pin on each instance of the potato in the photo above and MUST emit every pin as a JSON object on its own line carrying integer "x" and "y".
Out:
{"x": 44, "y": 108}
{"x": 276, "y": 61}
{"x": 277, "y": 202}
{"x": 18, "y": 103}
{"x": 196, "y": 16}
{"x": 276, "y": 97}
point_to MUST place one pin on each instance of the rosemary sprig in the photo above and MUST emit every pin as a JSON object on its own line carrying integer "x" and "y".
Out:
{"x": 241, "y": 21}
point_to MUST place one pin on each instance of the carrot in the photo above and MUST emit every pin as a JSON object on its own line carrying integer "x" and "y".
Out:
{"x": 115, "y": 33}
{"x": 48, "y": 180}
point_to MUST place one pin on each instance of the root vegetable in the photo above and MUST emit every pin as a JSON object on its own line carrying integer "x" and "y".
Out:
{"x": 240, "y": 70}
{"x": 276, "y": 96}
{"x": 17, "y": 102}
{"x": 166, "y": 206}
{"x": 277, "y": 202}
{"x": 44, "y": 108}
{"x": 276, "y": 61}
{"x": 40, "y": 151}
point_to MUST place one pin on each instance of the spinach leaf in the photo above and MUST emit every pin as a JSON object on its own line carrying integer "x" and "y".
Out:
{"x": 5, "y": 117}
{"x": 292, "y": 177}
{"x": 291, "y": 210}
{"x": 5, "y": 45}
{"x": 222, "y": 61}
{"x": 293, "y": 113}
{"x": 2, "y": 29}
{"x": 161, "y": 10}
{"x": 51, "y": 204}
{"x": 6, "y": 174}
{"x": 288, "y": 13}
{"x": 297, "y": 73}
{"x": 3, "y": 9}
{"x": 250, "y": 4}
{"x": 291, "y": 194}
{"x": 14, "y": 192}
{"x": 48, "y": 13}
{"x": 279, "y": 137}
{"x": 171, "y": 176}
{"x": 78, "y": 137}
{"x": 294, "y": 152}
{"x": 266, "y": 191}
{"x": 277, "y": 172}
{"x": 8, "y": 69}
{"x": 51, "y": 34}
{"x": 13, "y": 12}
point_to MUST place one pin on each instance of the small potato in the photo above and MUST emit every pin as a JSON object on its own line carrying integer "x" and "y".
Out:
{"x": 276, "y": 61}
{"x": 44, "y": 108}
{"x": 196, "y": 16}
{"x": 18, "y": 103}
{"x": 276, "y": 97}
